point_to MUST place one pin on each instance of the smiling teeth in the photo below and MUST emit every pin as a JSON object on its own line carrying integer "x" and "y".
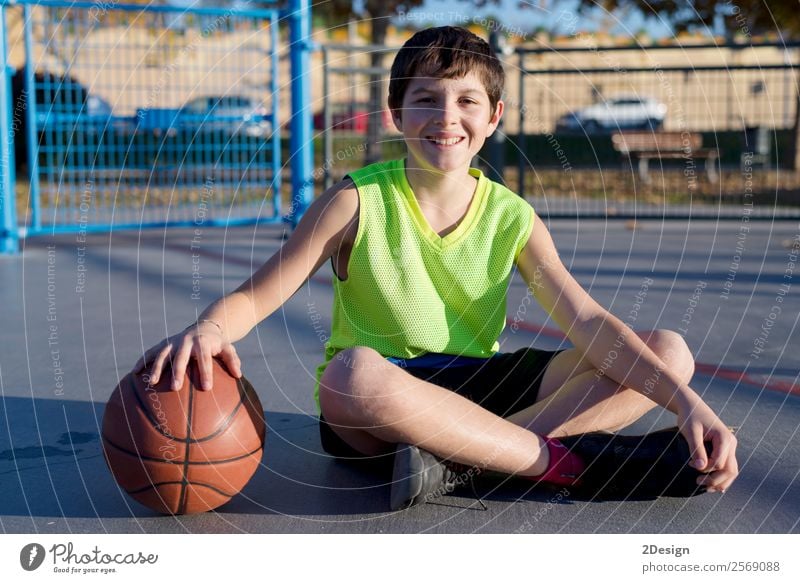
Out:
{"x": 447, "y": 142}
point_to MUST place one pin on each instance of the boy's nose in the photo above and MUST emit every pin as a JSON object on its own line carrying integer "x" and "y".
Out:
{"x": 447, "y": 114}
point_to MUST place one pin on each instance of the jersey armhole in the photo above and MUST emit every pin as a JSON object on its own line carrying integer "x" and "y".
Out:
{"x": 526, "y": 235}
{"x": 360, "y": 228}
{"x": 356, "y": 239}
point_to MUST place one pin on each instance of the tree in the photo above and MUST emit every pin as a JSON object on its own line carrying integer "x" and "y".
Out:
{"x": 741, "y": 18}
{"x": 749, "y": 16}
{"x": 332, "y": 12}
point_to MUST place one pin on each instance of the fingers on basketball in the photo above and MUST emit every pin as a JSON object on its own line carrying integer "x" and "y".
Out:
{"x": 231, "y": 359}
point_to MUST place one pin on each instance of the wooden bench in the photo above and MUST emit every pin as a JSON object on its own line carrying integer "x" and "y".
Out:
{"x": 644, "y": 146}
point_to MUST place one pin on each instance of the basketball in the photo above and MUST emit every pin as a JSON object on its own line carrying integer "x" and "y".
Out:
{"x": 186, "y": 451}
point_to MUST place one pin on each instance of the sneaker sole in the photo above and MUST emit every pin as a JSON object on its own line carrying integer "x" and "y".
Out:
{"x": 406, "y": 477}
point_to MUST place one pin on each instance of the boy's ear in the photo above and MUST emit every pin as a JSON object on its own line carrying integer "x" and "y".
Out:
{"x": 397, "y": 119}
{"x": 495, "y": 120}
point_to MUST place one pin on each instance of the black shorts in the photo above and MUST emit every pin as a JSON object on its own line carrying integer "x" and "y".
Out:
{"x": 504, "y": 384}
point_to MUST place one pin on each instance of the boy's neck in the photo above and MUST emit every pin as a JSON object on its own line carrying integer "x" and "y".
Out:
{"x": 433, "y": 186}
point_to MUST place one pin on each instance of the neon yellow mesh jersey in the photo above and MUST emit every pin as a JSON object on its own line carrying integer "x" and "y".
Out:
{"x": 408, "y": 290}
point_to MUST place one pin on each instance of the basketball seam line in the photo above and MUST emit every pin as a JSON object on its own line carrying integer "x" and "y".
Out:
{"x": 146, "y": 410}
{"x": 246, "y": 393}
{"x": 157, "y": 484}
{"x": 175, "y": 462}
{"x": 187, "y": 440}
{"x": 184, "y": 477}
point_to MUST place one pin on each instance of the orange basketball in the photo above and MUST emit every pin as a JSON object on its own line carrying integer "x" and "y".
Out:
{"x": 187, "y": 451}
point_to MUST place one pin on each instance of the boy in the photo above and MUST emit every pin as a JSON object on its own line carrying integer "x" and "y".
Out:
{"x": 422, "y": 251}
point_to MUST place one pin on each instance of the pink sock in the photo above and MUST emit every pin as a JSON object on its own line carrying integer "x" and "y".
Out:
{"x": 564, "y": 468}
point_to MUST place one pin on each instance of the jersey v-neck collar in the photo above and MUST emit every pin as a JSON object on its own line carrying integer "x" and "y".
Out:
{"x": 476, "y": 207}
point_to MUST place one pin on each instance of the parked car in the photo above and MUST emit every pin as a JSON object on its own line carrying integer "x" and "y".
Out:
{"x": 351, "y": 117}
{"x": 235, "y": 115}
{"x": 620, "y": 112}
{"x": 64, "y": 104}
{"x": 158, "y": 121}
{"x": 65, "y": 112}
{"x": 228, "y": 114}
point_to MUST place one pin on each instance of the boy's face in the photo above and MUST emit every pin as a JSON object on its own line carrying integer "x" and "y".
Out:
{"x": 445, "y": 122}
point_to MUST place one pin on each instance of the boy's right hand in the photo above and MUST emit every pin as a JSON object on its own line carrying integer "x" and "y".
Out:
{"x": 202, "y": 342}
{"x": 700, "y": 424}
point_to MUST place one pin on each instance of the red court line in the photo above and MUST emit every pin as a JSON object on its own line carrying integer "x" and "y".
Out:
{"x": 711, "y": 370}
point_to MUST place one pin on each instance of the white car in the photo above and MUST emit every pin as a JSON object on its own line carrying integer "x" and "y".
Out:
{"x": 619, "y": 112}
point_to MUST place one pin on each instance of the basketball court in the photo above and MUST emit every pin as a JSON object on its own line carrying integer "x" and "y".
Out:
{"x": 77, "y": 315}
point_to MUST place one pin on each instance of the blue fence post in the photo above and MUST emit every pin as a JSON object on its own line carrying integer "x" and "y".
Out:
{"x": 301, "y": 146}
{"x": 9, "y": 234}
{"x": 35, "y": 222}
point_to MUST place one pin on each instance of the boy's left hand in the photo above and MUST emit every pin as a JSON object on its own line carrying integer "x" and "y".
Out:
{"x": 700, "y": 424}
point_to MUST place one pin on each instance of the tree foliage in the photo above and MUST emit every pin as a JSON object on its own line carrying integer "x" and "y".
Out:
{"x": 332, "y": 12}
{"x": 377, "y": 12}
{"x": 748, "y": 17}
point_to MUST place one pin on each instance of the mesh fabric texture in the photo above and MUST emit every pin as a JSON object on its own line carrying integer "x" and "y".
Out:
{"x": 409, "y": 291}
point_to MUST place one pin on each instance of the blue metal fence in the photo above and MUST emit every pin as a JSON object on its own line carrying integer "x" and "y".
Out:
{"x": 8, "y": 217}
{"x": 128, "y": 115}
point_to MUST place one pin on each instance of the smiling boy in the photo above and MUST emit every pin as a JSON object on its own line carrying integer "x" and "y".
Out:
{"x": 423, "y": 250}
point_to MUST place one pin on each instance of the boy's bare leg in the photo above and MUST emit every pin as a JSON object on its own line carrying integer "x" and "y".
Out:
{"x": 373, "y": 404}
{"x": 574, "y": 398}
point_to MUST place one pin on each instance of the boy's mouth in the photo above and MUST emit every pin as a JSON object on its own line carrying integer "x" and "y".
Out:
{"x": 446, "y": 141}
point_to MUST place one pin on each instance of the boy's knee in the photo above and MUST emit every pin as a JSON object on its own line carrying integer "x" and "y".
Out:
{"x": 352, "y": 365}
{"x": 671, "y": 347}
{"x": 349, "y": 381}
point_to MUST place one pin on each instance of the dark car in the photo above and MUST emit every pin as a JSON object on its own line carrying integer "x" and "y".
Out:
{"x": 63, "y": 104}
{"x": 65, "y": 113}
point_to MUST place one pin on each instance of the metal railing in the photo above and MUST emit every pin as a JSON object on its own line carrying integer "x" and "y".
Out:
{"x": 348, "y": 110}
{"x": 740, "y": 100}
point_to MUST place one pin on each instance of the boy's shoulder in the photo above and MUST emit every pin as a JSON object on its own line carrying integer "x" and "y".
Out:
{"x": 502, "y": 196}
{"x": 377, "y": 171}
{"x": 341, "y": 195}
{"x": 499, "y": 189}
{"x": 335, "y": 208}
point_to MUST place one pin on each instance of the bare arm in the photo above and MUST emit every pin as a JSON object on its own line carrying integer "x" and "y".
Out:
{"x": 327, "y": 223}
{"x": 317, "y": 237}
{"x": 595, "y": 331}
{"x": 590, "y": 327}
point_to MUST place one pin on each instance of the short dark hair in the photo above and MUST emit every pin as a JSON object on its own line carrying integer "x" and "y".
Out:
{"x": 445, "y": 52}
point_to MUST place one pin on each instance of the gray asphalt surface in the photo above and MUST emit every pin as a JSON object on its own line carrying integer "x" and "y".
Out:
{"x": 125, "y": 291}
